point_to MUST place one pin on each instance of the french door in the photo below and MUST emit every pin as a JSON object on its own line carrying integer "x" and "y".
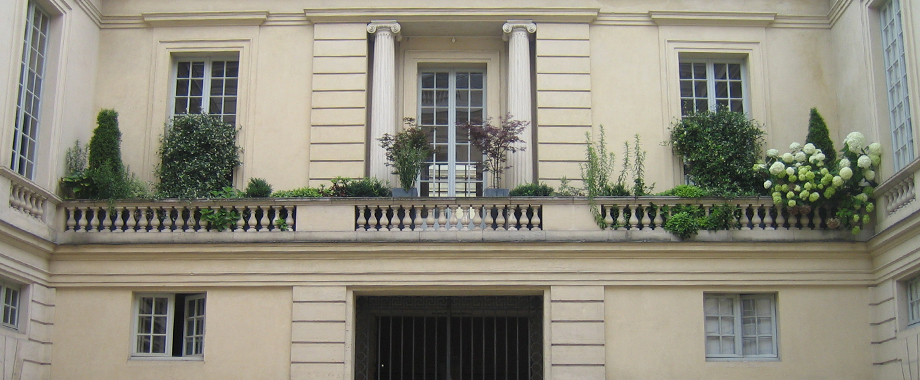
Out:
{"x": 449, "y": 98}
{"x": 449, "y": 338}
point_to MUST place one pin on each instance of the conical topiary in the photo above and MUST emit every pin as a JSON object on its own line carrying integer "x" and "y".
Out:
{"x": 820, "y": 136}
{"x": 105, "y": 146}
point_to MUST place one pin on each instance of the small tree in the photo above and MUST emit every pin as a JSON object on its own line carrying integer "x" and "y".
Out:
{"x": 198, "y": 153}
{"x": 496, "y": 142}
{"x": 820, "y": 136}
{"x": 105, "y": 145}
{"x": 407, "y": 152}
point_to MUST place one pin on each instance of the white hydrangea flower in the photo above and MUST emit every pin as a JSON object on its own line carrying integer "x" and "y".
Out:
{"x": 846, "y": 173}
{"x": 875, "y": 149}
{"x": 767, "y": 184}
{"x": 876, "y": 159}
{"x": 869, "y": 174}
{"x": 790, "y": 171}
{"x": 788, "y": 158}
{"x": 809, "y": 148}
{"x": 814, "y": 197}
{"x": 844, "y": 163}
{"x": 777, "y": 168}
{"x": 863, "y": 197}
{"x": 855, "y": 141}
{"x": 800, "y": 157}
{"x": 837, "y": 181}
{"x": 795, "y": 146}
{"x": 791, "y": 203}
{"x": 772, "y": 153}
{"x": 820, "y": 157}
{"x": 864, "y": 162}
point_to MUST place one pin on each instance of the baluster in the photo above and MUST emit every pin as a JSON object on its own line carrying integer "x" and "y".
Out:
{"x": 464, "y": 217}
{"x": 442, "y": 217}
{"x": 14, "y": 197}
{"x": 757, "y": 220}
{"x": 96, "y": 223}
{"x": 512, "y": 218}
{"x": 487, "y": 219}
{"x": 477, "y": 220}
{"x": 361, "y": 221}
{"x": 251, "y": 220}
{"x": 428, "y": 224}
{"x": 407, "y": 224}
{"x": 106, "y": 225}
{"x": 535, "y": 220}
{"x": 265, "y": 221}
{"x": 524, "y": 220}
{"x": 71, "y": 221}
{"x": 190, "y": 221}
{"x": 658, "y": 220}
{"x": 817, "y": 219}
{"x": 608, "y": 215}
{"x": 241, "y": 222}
{"x": 768, "y": 220}
{"x": 500, "y": 211}
{"x": 84, "y": 220}
{"x": 372, "y": 221}
{"x": 134, "y": 213}
{"x": 289, "y": 218}
{"x": 646, "y": 209}
{"x": 745, "y": 219}
{"x": 633, "y": 217}
{"x": 154, "y": 219}
{"x": 384, "y": 218}
{"x": 621, "y": 216}
{"x": 454, "y": 220}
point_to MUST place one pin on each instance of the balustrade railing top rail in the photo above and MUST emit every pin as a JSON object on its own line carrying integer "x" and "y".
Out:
{"x": 29, "y": 198}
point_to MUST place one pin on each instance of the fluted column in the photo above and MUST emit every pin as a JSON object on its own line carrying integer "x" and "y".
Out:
{"x": 383, "y": 93}
{"x": 517, "y": 33}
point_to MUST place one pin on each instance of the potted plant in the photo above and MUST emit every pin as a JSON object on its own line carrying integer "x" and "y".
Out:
{"x": 407, "y": 151}
{"x": 495, "y": 142}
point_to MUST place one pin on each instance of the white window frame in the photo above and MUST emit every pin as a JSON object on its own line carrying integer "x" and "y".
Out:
{"x": 896, "y": 83}
{"x": 172, "y": 321}
{"x": 738, "y": 334}
{"x": 452, "y": 144}
{"x": 29, "y": 101}
{"x": 12, "y": 301}
{"x": 912, "y": 288}
{"x": 208, "y": 61}
{"x": 711, "y": 80}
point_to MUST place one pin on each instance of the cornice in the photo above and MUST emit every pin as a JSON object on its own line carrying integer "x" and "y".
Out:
{"x": 539, "y": 14}
{"x": 760, "y": 19}
{"x": 234, "y": 18}
{"x": 91, "y": 11}
{"x": 837, "y": 10}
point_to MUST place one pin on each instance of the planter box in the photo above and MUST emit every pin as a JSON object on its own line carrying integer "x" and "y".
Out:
{"x": 495, "y": 192}
{"x": 399, "y": 192}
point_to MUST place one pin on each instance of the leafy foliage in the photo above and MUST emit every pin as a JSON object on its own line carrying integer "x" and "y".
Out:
{"x": 820, "y": 136}
{"x": 532, "y": 190}
{"x": 407, "y": 152}
{"x": 227, "y": 193}
{"x": 687, "y": 220}
{"x": 686, "y": 191}
{"x": 684, "y": 224}
{"x": 566, "y": 190}
{"x": 198, "y": 153}
{"x": 258, "y": 188}
{"x": 303, "y": 192}
{"x": 719, "y": 149}
{"x": 220, "y": 219}
{"x": 496, "y": 141}
{"x": 366, "y": 187}
{"x": 75, "y": 159}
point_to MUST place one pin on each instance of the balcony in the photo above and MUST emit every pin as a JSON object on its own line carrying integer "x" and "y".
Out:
{"x": 533, "y": 219}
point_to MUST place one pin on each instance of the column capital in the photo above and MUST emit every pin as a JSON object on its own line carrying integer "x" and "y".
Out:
{"x": 391, "y": 25}
{"x": 527, "y": 25}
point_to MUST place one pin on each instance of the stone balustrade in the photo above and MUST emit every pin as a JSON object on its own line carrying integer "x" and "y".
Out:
{"x": 28, "y": 198}
{"x": 897, "y": 196}
{"x": 173, "y": 216}
{"x": 434, "y": 214}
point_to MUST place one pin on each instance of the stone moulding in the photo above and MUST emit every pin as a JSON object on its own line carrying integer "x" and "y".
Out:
{"x": 758, "y": 19}
{"x": 234, "y": 18}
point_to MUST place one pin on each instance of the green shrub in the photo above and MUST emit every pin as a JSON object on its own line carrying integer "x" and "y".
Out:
{"x": 220, "y": 219}
{"x": 365, "y": 187}
{"x": 820, "y": 136}
{"x": 258, "y": 188}
{"x": 198, "y": 153}
{"x": 683, "y": 224}
{"x": 105, "y": 145}
{"x": 532, "y": 190}
{"x": 566, "y": 190}
{"x": 686, "y": 191}
{"x": 227, "y": 193}
{"x": 719, "y": 150}
{"x": 303, "y": 192}
{"x": 406, "y": 152}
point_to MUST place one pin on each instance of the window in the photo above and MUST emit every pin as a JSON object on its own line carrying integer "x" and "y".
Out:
{"x": 10, "y": 295}
{"x": 169, "y": 325}
{"x": 206, "y": 85}
{"x": 740, "y": 325}
{"x": 707, "y": 84}
{"x": 448, "y": 98}
{"x": 913, "y": 301}
{"x": 28, "y": 104}
{"x": 902, "y": 138}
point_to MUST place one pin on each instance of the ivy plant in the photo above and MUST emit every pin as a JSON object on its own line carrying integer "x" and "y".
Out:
{"x": 198, "y": 154}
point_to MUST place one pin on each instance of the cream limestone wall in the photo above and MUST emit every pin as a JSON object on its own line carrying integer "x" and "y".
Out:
{"x": 247, "y": 336}
{"x": 657, "y": 333}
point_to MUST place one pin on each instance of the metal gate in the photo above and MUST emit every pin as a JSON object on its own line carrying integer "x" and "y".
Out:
{"x": 449, "y": 338}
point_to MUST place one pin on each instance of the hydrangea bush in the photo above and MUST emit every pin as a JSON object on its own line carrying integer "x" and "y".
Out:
{"x": 803, "y": 180}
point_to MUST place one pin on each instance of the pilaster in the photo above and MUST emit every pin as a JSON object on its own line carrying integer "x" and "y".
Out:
{"x": 517, "y": 32}
{"x": 383, "y": 93}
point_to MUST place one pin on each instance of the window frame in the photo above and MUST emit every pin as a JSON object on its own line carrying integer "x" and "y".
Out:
{"x": 739, "y": 336}
{"x": 172, "y": 320}
{"x": 904, "y": 148}
{"x": 913, "y": 319}
{"x": 711, "y": 80}
{"x": 11, "y": 311}
{"x": 25, "y": 163}
{"x": 208, "y": 61}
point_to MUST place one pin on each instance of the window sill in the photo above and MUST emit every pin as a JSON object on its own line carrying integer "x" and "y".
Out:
{"x": 198, "y": 358}
{"x": 744, "y": 359}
